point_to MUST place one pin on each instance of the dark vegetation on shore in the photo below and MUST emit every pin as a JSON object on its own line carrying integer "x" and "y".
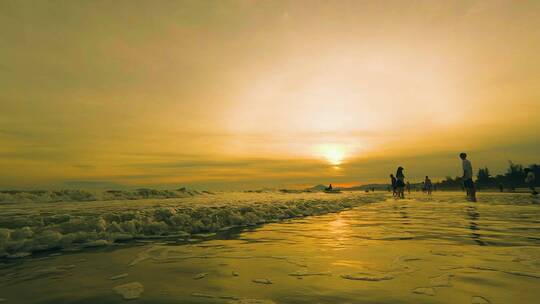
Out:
{"x": 512, "y": 179}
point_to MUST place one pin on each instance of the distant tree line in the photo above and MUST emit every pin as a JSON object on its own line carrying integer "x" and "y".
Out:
{"x": 512, "y": 179}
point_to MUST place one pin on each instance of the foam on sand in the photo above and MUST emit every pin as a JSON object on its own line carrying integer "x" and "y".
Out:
{"x": 130, "y": 291}
{"x": 428, "y": 291}
{"x": 368, "y": 276}
{"x": 262, "y": 281}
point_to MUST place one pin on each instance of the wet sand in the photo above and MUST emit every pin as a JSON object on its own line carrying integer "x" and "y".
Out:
{"x": 438, "y": 249}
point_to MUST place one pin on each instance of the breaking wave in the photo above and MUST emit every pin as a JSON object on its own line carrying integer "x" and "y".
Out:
{"x": 15, "y": 196}
{"x": 31, "y": 227}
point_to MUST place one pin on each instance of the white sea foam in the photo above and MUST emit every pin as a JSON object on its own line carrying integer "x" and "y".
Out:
{"x": 31, "y": 226}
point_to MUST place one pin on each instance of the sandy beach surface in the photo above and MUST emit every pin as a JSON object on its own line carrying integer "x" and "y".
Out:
{"x": 438, "y": 249}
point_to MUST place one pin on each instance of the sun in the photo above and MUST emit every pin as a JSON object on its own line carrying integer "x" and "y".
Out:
{"x": 334, "y": 154}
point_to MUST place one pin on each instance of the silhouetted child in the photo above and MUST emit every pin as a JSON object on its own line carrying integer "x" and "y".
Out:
{"x": 394, "y": 183}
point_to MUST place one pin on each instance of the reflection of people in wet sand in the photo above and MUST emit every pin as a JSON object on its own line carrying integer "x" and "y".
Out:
{"x": 394, "y": 182}
{"x": 467, "y": 177}
{"x": 400, "y": 183}
{"x": 428, "y": 185}
{"x": 473, "y": 225}
{"x": 529, "y": 180}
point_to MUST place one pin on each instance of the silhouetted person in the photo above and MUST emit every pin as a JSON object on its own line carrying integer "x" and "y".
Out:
{"x": 428, "y": 184}
{"x": 400, "y": 183}
{"x": 529, "y": 180}
{"x": 467, "y": 177}
{"x": 394, "y": 184}
{"x": 329, "y": 188}
{"x": 501, "y": 187}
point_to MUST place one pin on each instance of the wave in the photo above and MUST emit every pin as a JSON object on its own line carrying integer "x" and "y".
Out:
{"x": 16, "y": 196}
{"x": 69, "y": 226}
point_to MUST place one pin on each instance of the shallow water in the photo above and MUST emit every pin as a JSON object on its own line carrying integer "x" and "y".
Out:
{"x": 438, "y": 249}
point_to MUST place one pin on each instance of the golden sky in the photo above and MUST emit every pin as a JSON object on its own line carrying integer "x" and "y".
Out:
{"x": 248, "y": 94}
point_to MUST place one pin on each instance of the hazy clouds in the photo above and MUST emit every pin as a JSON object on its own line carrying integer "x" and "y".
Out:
{"x": 242, "y": 93}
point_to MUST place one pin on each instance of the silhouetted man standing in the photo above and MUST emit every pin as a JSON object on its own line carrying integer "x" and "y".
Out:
{"x": 428, "y": 185}
{"x": 467, "y": 177}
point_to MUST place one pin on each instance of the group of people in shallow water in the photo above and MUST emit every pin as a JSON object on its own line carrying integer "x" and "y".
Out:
{"x": 398, "y": 181}
{"x": 399, "y": 185}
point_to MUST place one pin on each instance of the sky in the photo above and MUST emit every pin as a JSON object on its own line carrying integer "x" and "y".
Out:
{"x": 254, "y": 94}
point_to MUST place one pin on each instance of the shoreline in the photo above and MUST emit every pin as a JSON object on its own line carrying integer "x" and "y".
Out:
{"x": 75, "y": 226}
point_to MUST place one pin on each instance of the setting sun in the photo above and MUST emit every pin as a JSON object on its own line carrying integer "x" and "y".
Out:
{"x": 334, "y": 154}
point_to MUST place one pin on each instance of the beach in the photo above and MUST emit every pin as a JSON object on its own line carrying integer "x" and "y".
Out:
{"x": 423, "y": 249}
